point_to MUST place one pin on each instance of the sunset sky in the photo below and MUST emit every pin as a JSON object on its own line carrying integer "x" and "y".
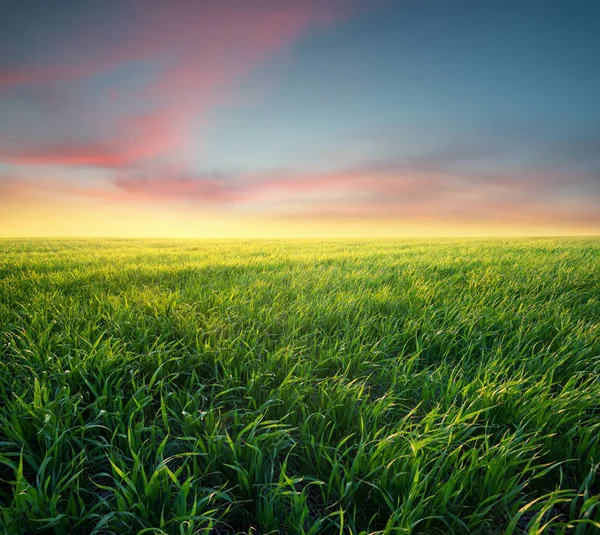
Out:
{"x": 277, "y": 118}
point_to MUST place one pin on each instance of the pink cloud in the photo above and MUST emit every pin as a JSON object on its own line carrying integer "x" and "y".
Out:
{"x": 136, "y": 138}
{"x": 273, "y": 187}
{"x": 161, "y": 189}
{"x": 369, "y": 193}
{"x": 12, "y": 188}
{"x": 197, "y": 50}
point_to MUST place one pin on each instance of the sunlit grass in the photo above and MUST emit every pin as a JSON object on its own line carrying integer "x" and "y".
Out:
{"x": 307, "y": 387}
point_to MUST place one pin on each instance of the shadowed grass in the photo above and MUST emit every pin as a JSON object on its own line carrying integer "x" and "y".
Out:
{"x": 400, "y": 387}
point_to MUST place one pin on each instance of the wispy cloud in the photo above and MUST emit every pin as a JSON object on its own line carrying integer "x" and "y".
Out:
{"x": 195, "y": 51}
{"x": 370, "y": 192}
{"x": 135, "y": 138}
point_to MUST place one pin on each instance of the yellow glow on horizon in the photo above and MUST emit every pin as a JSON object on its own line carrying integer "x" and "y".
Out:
{"x": 66, "y": 220}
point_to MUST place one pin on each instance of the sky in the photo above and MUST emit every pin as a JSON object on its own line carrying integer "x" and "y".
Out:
{"x": 299, "y": 118}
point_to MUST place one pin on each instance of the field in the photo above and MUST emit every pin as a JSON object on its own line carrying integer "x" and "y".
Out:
{"x": 343, "y": 387}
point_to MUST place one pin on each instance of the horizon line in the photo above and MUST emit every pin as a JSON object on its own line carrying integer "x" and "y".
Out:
{"x": 299, "y": 238}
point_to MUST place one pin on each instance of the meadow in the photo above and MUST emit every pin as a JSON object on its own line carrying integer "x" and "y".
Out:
{"x": 300, "y": 387}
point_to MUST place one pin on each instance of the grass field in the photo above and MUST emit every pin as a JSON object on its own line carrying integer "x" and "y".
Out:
{"x": 416, "y": 386}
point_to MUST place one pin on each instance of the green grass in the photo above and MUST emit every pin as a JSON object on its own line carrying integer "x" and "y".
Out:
{"x": 343, "y": 387}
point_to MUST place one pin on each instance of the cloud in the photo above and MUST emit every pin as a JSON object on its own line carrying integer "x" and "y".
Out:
{"x": 274, "y": 187}
{"x": 184, "y": 58}
{"x": 177, "y": 187}
{"x": 455, "y": 154}
{"x": 12, "y": 188}
{"x": 381, "y": 190}
{"x": 136, "y": 138}
{"x": 385, "y": 191}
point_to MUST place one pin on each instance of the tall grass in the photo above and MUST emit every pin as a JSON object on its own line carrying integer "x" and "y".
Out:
{"x": 343, "y": 387}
